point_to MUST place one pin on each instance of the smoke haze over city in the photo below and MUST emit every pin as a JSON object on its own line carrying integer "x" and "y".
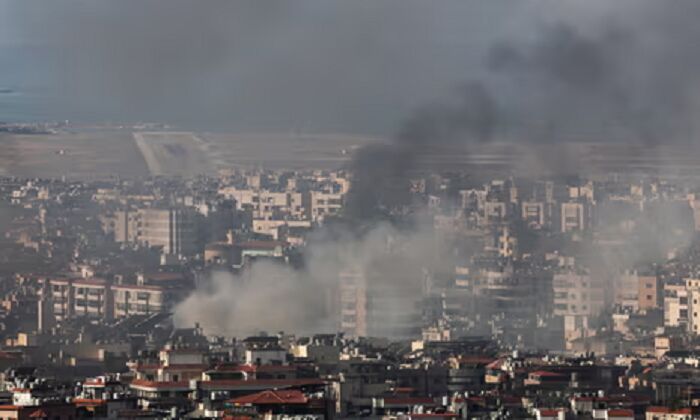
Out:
{"x": 321, "y": 209}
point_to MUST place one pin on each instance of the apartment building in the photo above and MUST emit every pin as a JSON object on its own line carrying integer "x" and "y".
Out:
{"x": 171, "y": 229}
{"x": 98, "y": 299}
{"x": 140, "y": 300}
{"x": 577, "y": 300}
{"x": 676, "y": 306}
{"x": 693, "y": 290}
{"x": 649, "y": 293}
{"x": 532, "y": 213}
{"x": 61, "y": 295}
{"x": 576, "y": 294}
{"x": 82, "y": 298}
{"x": 573, "y": 217}
{"x": 638, "y": 292}
{"x": 320, "y": 205}
{"x": 495, "y": 212}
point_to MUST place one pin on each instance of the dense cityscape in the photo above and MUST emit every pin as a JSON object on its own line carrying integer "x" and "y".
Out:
{"x": 334, "y": 209}
{"x": 558, "y": 298}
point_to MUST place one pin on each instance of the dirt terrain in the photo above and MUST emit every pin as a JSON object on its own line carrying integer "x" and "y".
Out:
{"x": 98, "y": 153}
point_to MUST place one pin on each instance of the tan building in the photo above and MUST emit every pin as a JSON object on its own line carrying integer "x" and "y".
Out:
{"x": 649, "y": 293}
{"x": 320, "y": 205}
{"x": 266, "y": 205}
{"x": 676, "y": 305}
{"x": 693, "y": 290}
{"x": 80, "y": 298}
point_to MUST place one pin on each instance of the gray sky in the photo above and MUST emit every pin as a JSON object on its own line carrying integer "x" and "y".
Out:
{"x": 309, "y": 64}
{"x": 337, "y": 65}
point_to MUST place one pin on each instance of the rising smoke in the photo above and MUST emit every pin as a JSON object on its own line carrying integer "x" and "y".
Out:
{"x": 625, "y": 78}
{"x": 273, "y": 297}
{"x": 541, "y": 71}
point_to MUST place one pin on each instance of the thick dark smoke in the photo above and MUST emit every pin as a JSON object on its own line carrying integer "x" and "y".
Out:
{"x": 630, "y": 77}
{"x": 381, "y": 171}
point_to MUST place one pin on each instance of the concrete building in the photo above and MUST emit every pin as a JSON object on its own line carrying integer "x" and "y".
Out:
{"x": 693, "y": 290}
{"x": 573, "y": 217}
{"x": 320, "y": 205}
{"x": 626, "y": 290}
{"x": 532, "y": 213}
{"x": 140, "y": 300}
{"x": 495, "y": 212}
{"x": 92, "y": 299}
{"x": 61, "y": 293}
{"x": 676, "y": 305}
{"x": 577, "y": 300}
{"x": 353, "y": 303}
{"x": 171, "y": 229}
{"x": 649, "y": 293}
{"x": 576, "y": 294}
{"x": 268, "y": 205}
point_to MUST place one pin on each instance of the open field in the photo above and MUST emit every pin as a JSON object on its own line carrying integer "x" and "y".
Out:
{"x": 96, "y": 154}
{"x": 75, "y": 155}
{"x": 290, "y": 151}
{"x": 102, "y": 153}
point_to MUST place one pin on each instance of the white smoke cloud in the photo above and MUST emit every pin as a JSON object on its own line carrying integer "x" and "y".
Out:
{"x": 275, "y": 297}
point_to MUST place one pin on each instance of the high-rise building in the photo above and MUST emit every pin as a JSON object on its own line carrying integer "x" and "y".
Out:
{"x": 171, "y": 229}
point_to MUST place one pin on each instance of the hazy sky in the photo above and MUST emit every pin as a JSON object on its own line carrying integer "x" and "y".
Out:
{"x": 320, "y": 65}
{"x": 310, "y": 64}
